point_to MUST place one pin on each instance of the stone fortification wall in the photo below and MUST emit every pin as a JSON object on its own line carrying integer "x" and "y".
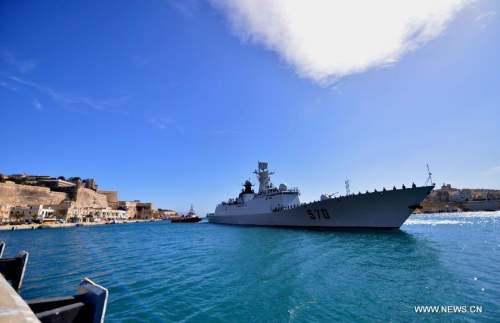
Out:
{"x": 24, "y": 195}
{"x": 112, "y": 197}
{"x": 481, "y": 206}
{"x": 71, "y": 191}
{"x": 434, "y": 207}
{"x": 88, "y": 198}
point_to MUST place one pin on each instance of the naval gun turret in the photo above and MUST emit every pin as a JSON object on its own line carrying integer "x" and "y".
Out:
{"x": 247, "y": 190}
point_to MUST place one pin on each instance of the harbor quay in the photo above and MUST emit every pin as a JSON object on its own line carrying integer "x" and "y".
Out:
{"x": 14, "y": 227}
{"x": 33, "y": 200}
{"x": 450, "y": 199}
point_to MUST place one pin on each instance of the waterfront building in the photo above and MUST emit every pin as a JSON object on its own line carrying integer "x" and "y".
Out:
{"x": 30, "y": 212}
{"x": 129, "y": 207}
{"x": 493, "y": 195}
{"x": 118, "y": 215}
{"x": 5, "y": 213}
{"x": 147, "y": 214}
{"x": 163, "y": 214}
{"x": 466, "y": 194}
{"x": 69, "y": 200}
{"x": 456, "y": 196}
{"x": 145, "y": 210}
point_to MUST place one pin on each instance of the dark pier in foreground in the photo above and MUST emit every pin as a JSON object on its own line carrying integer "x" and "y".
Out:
{"x": 88, "y": 305}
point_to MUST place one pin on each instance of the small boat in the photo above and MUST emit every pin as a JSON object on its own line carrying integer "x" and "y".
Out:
{"x": 190, "y": 217}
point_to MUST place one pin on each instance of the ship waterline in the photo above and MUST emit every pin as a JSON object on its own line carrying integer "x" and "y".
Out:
{"x": 273, "y": 206}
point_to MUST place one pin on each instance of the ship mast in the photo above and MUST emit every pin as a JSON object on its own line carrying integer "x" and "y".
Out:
{"x": 429, "y": 179}
{"x": 263, "y": 177}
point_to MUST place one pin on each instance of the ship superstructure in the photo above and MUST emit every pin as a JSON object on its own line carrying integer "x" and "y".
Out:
{"x": 281, "y": 206}
{"x": 268, "y": 199}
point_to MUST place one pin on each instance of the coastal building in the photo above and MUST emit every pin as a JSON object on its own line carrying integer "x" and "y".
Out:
{"x": 450, "y": 199}
{"x": 118, "y": 215}
{"x": 30, "y": 212}
{"x": 450, "y": 194}
{"x": 147, "y": 214}
{"x": 70, "y": 200}
{"x": 5, "y": 213}
{"x": 454, "y": 196}
{"x": 130, "y": 208}
{"x": 480, "y": 195}
{"x": 493, "y": 195}
{"x": 466, "y": 195}
{"x": 145, "y": 210}
{"x": 76, "y": 212}
{"x": 111, "y": 214}
{"x": 163, "y": 214}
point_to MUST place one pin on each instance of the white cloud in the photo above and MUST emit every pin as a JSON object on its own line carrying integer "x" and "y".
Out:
{"x": 61, "y": 98}
{"x": 165, "y": 123}
{"x": 486, "y": 15}
{"x": 75, "y": 102}
{"x": 491, "y": 171}
{"x": 21, "y": 65}
{"x": 486, "y": 19}
{"x": 37, "y": 105}
{"x": 187, "y": 8}
{"x": 8, "y": 86}
{"x": 220, "y": 132}
{"x": 325, "y": 40}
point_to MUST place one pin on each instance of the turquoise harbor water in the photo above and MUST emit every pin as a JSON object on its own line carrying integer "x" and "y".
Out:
{"x": 205, "y": 272}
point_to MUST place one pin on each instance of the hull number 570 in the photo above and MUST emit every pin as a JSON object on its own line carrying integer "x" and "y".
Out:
{"x": 317, "y": 214}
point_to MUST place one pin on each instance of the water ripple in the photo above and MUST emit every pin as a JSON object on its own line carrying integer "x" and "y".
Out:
{"x": 213, "y": 273}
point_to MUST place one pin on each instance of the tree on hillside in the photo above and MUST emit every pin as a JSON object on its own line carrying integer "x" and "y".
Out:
{"x": 62, "y": 178}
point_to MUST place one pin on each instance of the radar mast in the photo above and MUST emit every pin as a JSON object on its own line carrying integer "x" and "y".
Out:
{"x": 263, "y": 177}
{"x": 347, "y": 190}
{"x": 429, "y": 179}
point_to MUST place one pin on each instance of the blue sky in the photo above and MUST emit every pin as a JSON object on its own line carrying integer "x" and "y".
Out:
{"x": 174, "y": 102}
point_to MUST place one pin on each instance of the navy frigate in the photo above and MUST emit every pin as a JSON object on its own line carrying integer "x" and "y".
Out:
{"x": 281, "y": 206}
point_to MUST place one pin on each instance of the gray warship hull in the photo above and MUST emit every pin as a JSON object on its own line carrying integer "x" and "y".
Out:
{"x": 385, "y": 209}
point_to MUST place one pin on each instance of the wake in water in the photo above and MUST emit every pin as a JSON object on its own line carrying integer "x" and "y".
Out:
{"x": 454, "y": 218}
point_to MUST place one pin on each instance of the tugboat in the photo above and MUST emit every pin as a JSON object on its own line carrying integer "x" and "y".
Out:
{"x": 190, "y": 217}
